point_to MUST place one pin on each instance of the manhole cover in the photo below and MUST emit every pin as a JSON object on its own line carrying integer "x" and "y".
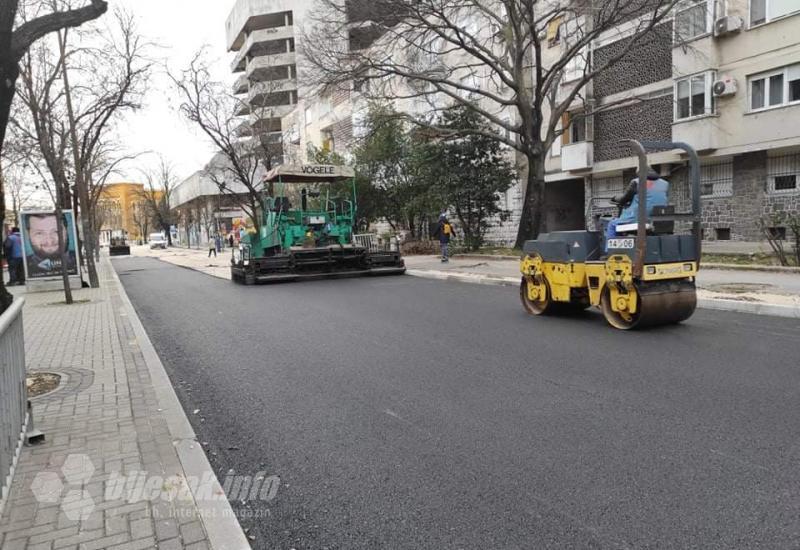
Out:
{"x": 739, "y": 288}
{"x": 40, "y": 383}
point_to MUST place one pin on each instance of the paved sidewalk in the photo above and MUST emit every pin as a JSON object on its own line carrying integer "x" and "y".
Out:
{"x": 104, "y": 476}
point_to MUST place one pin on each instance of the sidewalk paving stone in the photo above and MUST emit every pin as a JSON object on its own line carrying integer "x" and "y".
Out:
{"x": 101, "y": 424}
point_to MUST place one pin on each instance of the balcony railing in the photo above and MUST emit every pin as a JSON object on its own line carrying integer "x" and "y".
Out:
{"x": 577, "y": 156}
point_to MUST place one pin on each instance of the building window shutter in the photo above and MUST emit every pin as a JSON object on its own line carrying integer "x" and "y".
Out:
{"x": 565, "y": 124}
{"x": 553, "y": 29}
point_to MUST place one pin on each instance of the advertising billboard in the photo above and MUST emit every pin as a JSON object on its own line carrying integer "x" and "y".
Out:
{"x": 40, "y": 239}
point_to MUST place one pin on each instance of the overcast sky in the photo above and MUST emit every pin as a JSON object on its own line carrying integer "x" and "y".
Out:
{"x": 181, "y": 28}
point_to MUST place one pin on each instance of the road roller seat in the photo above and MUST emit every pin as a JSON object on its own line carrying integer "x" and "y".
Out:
{"x": 654, "y": 227}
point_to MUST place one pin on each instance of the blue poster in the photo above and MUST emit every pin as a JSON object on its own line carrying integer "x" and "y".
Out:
{"x": 43, "y": 256}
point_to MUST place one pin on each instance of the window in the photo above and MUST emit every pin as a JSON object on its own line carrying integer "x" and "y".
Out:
{"x": 570, "y": 34}
{"x": 786, "y": 183}
{"x": 722, "y": 233}
{"x": 777, "y": 233}
{"x": 575, "y": 128}
{"x": 781, "y": 87}
{"x": 716, "y": 180}
{"x": 694, "y": 96}
{"x": 692, "y": 19}
{"x": 783, "y": 173}
{"x": 328, "y": 143}
{"x": 763, "y": 11}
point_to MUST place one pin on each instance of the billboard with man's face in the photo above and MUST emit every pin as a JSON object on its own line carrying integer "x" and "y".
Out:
{"x": 40, "y": 237}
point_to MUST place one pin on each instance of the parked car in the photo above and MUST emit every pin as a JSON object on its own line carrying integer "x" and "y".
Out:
{"x": 157, "y": 240}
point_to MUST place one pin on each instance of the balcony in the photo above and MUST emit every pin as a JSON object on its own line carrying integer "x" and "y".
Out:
{"x": 702, "y": 132}
{"x": 258, "y": 39}
{"x": 577, "y": 156}
{"x": 241, "y": 86}
{"x": 260, "y": 90}
{"x": 242, "y": 109}
{"x": 260, "y": 68}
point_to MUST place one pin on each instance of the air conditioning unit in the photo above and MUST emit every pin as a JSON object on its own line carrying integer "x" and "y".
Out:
{"x": 724, "y": 86}
{"x": 728, "y": 25}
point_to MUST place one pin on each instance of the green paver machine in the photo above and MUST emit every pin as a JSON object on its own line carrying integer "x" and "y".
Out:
{"x": 306, "y": 231}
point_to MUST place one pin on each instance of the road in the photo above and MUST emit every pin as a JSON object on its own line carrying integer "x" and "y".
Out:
{"x": 409, "y": 413}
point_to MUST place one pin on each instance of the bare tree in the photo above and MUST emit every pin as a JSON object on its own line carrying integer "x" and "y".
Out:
{"x": 156, "y": 196}
{"x": 244, "y": 151}
{"x": 106, "y": 161}
{"x": 493, "y": 56}
{"x": 112, "y": 76}
{"x": 19, "y": 189}
{"x": 141, "y": 219}
{"x": 14, "y": 44}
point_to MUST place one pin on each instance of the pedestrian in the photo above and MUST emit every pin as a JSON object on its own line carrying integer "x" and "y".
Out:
{"x": 230, "y": 239}
{"x": 218, "y": 242}
{"x": 444, "y": 232}
{"x": 12, "y": 247}
{"x": 212, "y": 246}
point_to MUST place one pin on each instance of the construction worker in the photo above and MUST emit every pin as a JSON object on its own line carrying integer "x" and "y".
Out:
{"x": 444, "y": 232}
{"x": 657, "y": 191}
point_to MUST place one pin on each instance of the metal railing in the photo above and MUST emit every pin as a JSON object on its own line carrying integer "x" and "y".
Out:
{"x": 373, "y": 243}
{"x": 13, "y": 393}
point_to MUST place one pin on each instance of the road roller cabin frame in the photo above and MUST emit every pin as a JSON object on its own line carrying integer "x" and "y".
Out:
{"x": 643, "y": 279}
{"x": 313, "y": 240}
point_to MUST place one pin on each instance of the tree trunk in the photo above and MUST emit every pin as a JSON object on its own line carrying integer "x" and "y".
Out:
{"x": 9, "y": 71}
{"x": 532, "y": 205}
{"x": 5, "y": 296}
{"x": 82, "y": 190}
{"x": 64, "y": 255}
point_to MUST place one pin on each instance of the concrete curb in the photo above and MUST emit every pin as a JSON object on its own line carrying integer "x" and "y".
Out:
{"x": 762, "y": 268}
{"x": 756, "y": 308}
{"x": 474, "y": 278}
{"x": 219, "y": 520}
{"x": 704, "y": 265}
{"x": 486, "y": 257}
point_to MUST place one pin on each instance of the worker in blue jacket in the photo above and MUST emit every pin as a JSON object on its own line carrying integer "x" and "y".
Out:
{"x": 657, "y": 195}
{"x": 12, "y": 247}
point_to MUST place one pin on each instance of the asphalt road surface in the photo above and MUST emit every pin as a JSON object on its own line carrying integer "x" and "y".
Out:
{"x": 408, "y": 413}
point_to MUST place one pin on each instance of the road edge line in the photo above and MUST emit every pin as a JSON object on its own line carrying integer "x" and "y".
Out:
{"x": 719, "y": 304}
{"x": 220, "y": 522}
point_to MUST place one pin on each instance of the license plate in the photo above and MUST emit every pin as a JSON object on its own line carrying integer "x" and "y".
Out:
{"x": 625, "y": 244}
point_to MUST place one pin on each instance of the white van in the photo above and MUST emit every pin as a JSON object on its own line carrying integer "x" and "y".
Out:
{"x": 157, "y": 240}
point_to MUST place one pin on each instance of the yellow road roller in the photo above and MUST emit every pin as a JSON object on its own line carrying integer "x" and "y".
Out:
{"x": 644, "y": 276}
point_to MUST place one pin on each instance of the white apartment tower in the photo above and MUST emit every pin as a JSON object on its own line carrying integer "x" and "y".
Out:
{"x": 263, "y": 35}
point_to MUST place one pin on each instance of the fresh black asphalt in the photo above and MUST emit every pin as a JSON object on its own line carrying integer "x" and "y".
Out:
{"x": 408, "y": 413}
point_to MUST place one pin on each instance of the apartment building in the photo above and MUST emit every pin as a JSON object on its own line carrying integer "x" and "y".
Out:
{"x": 263, "y": 34}
{"x": 723, "y": 76}
{"x": 334, "y": 121}
{"x": 331, "y": 120}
